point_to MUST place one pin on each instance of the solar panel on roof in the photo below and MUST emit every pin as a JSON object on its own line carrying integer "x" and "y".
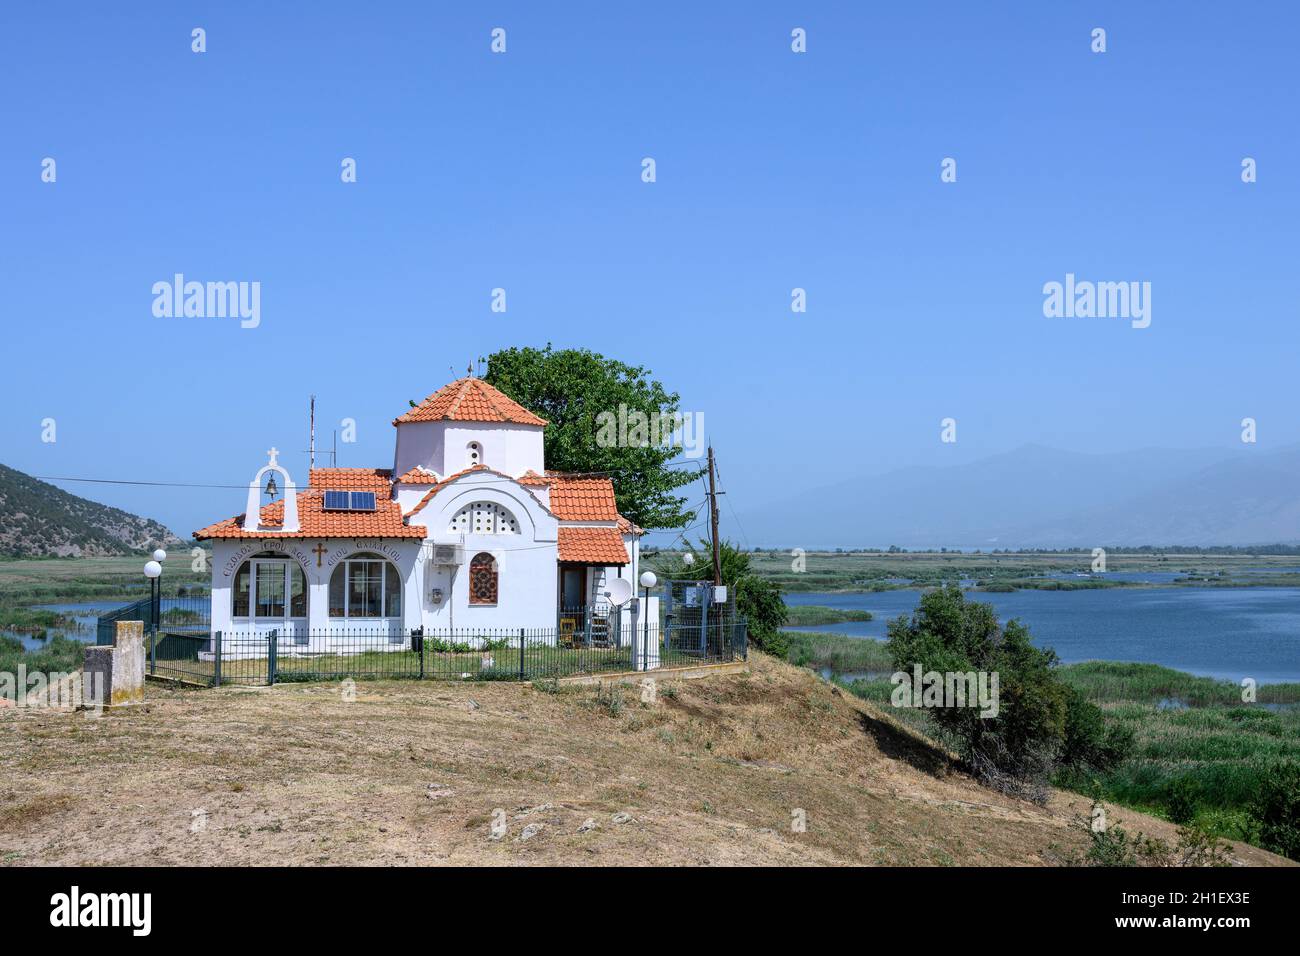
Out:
{"x": 363, "y": 501}
{"x": 337, "y": 501}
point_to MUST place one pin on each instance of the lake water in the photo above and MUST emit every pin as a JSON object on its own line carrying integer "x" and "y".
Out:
{"x": 1214, "y": 632}
{"x": 85, "y": 613}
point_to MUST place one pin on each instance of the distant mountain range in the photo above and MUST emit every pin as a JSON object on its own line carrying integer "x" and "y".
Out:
{"x": 1032, "y": 497}
{"x": 1043, "y": 497}
{"x": 38, "y": 520}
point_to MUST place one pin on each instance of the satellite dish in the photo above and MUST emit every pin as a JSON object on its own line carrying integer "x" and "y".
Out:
{"x": 619, "y": 591}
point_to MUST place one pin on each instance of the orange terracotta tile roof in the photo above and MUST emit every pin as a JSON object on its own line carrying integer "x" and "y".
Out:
{"x": 469, "y": 400}
{"x": 531, "y": 477}
{"x": 583, "y": 499}
{"x": 351, "y": 479}
{"x": 592, "y": 546}
{"x": 428, "y": 495}
{"x": 627, "y": 527}
{"x": 418, "y": 476}
{"x": 315, "y": 522}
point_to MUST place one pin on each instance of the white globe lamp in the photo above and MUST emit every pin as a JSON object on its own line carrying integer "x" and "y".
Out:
{"x": 648, "y": 580}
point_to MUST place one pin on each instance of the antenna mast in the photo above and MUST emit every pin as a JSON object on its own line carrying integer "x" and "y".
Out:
{"x": 311, "y": 443}
{"x": 713, "y": 521}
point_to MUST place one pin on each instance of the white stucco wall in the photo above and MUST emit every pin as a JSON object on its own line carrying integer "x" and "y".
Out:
{"x": 443, "y": 447}
{"x": 526, "y": 566}
{"x": 229, "y": 554}
{"x": 408, "y": 496}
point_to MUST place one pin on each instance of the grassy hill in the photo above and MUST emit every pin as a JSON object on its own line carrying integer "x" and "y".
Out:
{"x": 413, "y": 773}
{"x": 38, "y": 520}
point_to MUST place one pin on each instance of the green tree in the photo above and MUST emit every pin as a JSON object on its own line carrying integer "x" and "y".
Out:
{"x": 758, "y": 600}
{"x": 572, "y": 389}
{"x": 1041, "y": 723}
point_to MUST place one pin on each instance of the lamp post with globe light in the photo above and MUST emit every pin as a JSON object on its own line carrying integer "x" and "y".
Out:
{"x": 648, "y": 580}
{"x": 153, "y": 571}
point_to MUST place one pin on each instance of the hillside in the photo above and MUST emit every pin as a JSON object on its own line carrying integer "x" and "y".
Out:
{"x": 411, "y": 773}
{"x": 38, "y": 520}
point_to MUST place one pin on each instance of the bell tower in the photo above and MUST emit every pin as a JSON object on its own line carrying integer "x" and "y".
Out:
{"x": 253, "y": 509}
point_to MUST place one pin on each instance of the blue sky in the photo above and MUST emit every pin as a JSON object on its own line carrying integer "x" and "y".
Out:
{"x": 522, "y": 171}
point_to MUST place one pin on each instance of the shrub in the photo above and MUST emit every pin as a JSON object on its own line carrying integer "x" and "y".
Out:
{"x": 1114, "y": 846}
{"x": 1089, "y": 742}
{"x": 1181, "y": 803}
{"x": 1041, "y": 722}
{"x": 1276, "y": 810}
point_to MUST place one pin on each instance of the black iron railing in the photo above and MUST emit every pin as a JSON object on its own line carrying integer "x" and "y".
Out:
{"x": 514, "y": 654}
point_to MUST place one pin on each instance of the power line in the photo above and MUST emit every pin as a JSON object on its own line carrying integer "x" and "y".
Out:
{"x": 681, "y": 535}
{"x": 122, "y": 481}
{"x": 732, "y": 509}
{"x": 192, "y": 484}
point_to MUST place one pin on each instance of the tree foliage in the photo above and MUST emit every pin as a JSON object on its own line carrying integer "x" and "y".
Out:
{"x": 571, "y": 388}
{"x": 1041, "y": 723}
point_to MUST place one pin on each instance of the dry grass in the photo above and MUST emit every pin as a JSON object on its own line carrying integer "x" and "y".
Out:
{"x": 411, "y": 773}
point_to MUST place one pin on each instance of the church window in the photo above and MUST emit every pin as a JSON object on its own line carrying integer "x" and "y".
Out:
{"x": 484, "y": 517}
{"x": 483, "y": 579}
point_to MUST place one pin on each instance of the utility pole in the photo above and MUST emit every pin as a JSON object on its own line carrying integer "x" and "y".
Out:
{"x": 713, "y": 521}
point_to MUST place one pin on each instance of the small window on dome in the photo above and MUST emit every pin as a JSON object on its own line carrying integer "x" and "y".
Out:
{"x": 474, "y": 453}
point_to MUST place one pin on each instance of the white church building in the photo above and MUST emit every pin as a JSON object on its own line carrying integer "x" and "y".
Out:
{"x": 466, "y": 532}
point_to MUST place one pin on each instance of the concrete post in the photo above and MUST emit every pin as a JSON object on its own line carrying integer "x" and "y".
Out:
{"x": 117, "y": 671}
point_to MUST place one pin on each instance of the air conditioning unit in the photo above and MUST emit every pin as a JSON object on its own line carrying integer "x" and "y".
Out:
{"x": 447, "y": 554}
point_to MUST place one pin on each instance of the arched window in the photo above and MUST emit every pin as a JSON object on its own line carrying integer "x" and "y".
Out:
{"x": 269, "y": 585}
{"x": 473, "y": 454}
{"x": 484, "y": 517}
{"x": 365, "y": 586}
{"x": 483, "y": 579}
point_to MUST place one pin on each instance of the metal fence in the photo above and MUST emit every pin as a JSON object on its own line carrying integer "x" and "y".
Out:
{"x": 185, "y": 615}
{"x": 513, "y": 655}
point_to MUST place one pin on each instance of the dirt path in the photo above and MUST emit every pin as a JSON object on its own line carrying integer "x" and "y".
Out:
{"x": 716, "y": 772}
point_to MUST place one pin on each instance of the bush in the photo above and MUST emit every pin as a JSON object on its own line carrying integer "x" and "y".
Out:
{"x": 1041, "y": 723}
{"x": 1276, "y": 811}
{"x": 1182, "y": 801}
{"x": 1090, "y": 743}
{"x": 1114, "y": 846}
